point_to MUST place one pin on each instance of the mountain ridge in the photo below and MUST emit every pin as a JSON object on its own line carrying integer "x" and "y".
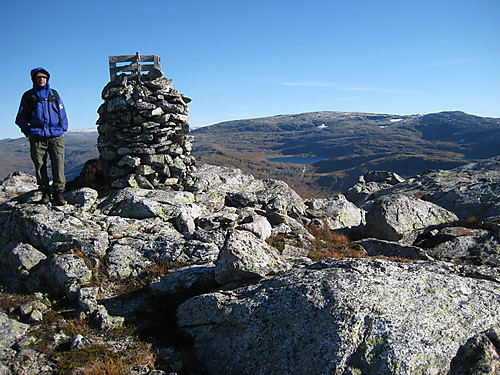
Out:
{"x": 316, "y": 153}
{"x": 351, "y": 143}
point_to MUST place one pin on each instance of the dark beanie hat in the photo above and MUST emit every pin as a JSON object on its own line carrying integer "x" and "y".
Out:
{"x": 38, "y": 70}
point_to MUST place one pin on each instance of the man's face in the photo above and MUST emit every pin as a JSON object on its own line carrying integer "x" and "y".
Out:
{"x": 41, "y": 79}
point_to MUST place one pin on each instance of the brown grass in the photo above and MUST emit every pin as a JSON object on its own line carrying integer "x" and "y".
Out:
{"x": 108, "y": 366}
{"x": 395, "y": 259}
{"x": 100, "y": 360}
{"x": 420, "y": 195}
{"x": 11, "y": 302}
{"x": 281, "y": 240}
{"x": 471, "y": 220}
{"x": 330, "y": 244}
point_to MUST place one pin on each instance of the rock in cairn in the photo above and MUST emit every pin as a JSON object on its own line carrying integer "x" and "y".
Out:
{"x": 143, "y": 130}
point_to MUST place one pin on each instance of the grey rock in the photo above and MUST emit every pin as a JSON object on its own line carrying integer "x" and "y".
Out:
{"x": 144, "y": 106}
{"x": 376, "y": 247}
{"x": 363, "y": 191}
{"x": 125, "y": 261}
{"x": 80, "y": 342}
{"x": 215, "y": 236}
{"x": 336, "y": 211}
{"x": 245, "y": 256}
{"x": 218, "y": 186}
{"x": 52, "y": 231}
{"x": 159, "y": 372}
{"x": 141, "y": 203}
{"x": 402, "y": 218}
{"x": 259, "y": 226}
{"x": 131, "y": 161}
{"x": 168, "y": 246}
{"x": 371, "y": 183}
{"x": 30, "y": 362}
{"x": 21, "y": 258}
{"x": 63, "y": 274}
{"x": 186, "y": 281}
{"x": 16, "y": 183}
{"x": 470, "y": 191}
{"x": 10, "y": 331}
{"x": 294, "y": 251}
{"x": 469, "y": 248}
{"x": 169, "y": 357}
{"x": 186, "y": 220}
{"x": 83, "y": 198}
{"x": 479, "y": 355}
{"x": 342, "y": 317}
{"x": 133, "y": 124}
{"x": 106, "y": 321}
{"x": 145, "y": 170}
{"x": 33, "y": 310}
{"x": 87, "y": 299}
{"x": 199, "y": 252}
{"x": 382, "y": 176}
{"x": 283, "y": 224}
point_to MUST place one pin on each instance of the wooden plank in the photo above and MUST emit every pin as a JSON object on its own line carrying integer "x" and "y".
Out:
{"x": 120, "y": 69}
{"x": 147, "y": 58}
{"x": 131, "y": 58}
{"x": 127, "y": 58}
{"x": 135, "y": 64}
{"x": 121, "y": 58}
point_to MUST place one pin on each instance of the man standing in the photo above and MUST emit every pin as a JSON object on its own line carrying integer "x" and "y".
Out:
{"x": 42, "y": 119}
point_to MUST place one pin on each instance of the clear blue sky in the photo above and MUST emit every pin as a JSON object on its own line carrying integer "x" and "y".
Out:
{"x": 242, "y": 59}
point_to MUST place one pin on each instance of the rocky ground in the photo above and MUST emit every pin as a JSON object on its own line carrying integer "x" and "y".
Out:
{"x": 234, "y": 275}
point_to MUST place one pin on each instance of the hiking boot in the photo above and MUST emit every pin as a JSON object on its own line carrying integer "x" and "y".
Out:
{"x": 45, "y": 198}
{"x": 58, "y": 198}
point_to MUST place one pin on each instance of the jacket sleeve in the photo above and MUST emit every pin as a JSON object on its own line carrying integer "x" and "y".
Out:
{"x": 22, "y": 116}
{"x": 63, "y": 117}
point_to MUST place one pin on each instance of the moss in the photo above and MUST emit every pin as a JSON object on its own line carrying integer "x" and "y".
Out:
{"x": 151, "y": 273}
{"x": 11, "y": 302}
{"x": 281, "y": 240}
{"x": 69, "y": 361}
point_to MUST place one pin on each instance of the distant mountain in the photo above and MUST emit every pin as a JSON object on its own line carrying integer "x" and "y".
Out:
{"x": 321, "y": 152}
{"x": 316, "y": 153}
{"x": 80, "y": 147}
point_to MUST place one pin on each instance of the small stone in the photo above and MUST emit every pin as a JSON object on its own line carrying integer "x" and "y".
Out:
{"x": 130, "y": 161}
{"x": 79, "y": 342}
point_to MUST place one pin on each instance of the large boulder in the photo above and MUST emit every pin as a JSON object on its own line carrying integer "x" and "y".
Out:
{"x": 211, "y": 184}
{"x": 376, "y": 247}
{"x": 55, "y": 230}
{"x": 140, "y": 203}
{"x": 402, "y": 218}
{"x": 16, "y": 183}
{"x": 479, "y": 355}
{"x": 471, "y": 191}
{"x": 463, "y": 245}
{"x": 370, "y": 183}
{"x": 347, "y": 316}
{"x": 125, "y": 261}
{"x": 245, "y": 256}
{"x": 336, "y": 211}
{"x": 218, "y": 186}
{"x": 63, "y": 274}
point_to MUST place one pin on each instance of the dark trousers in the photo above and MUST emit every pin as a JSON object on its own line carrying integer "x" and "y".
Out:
{"x": 54, "y": 147}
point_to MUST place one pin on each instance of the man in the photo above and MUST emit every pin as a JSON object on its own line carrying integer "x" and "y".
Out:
{"x": 42, "y": 119}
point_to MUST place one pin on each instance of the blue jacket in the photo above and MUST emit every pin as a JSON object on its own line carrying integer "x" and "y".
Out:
{"x": 45, "y": 118}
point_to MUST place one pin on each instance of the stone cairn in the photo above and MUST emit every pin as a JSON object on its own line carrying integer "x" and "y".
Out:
{"x": 143, "y": 128}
